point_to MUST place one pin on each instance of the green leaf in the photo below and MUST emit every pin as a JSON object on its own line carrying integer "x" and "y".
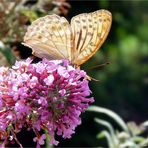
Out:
{"x": 106, "y": 134}
{"x": 111, "y": 114}
{"x": 129, "y": 144}
{"x": 144, "y": 143}
{"x": 138, "y": 139}
{"x": 106, "y": 124}
{"x": 47, "y": 139}
{"x": 113, "y": 137}
{"x": 145, "y": 124}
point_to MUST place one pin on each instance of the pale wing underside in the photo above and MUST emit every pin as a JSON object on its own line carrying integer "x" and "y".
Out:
{"x": 49, "y": 37}
{"x": 89, "y": 32}
{"x": 52, "y": 37}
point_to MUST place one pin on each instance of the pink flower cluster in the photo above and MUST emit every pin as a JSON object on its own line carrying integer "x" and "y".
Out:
{"x": 48, "y": 95}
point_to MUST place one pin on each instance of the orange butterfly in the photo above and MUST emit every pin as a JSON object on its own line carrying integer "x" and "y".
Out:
{"x": 52, "y": 36}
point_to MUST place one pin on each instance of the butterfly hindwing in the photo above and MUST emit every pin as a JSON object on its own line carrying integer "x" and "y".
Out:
{"x": 50, "y": 37}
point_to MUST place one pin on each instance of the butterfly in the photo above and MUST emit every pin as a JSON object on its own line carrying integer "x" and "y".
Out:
{"x": 53, "y": 37}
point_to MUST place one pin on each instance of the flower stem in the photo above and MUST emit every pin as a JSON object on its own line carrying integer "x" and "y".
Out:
{"x": 47, "y": 140}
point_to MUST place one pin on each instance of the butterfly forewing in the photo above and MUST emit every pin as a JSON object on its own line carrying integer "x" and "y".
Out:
{"x": 90, "y": 33}
{"x": 50, "y": 37}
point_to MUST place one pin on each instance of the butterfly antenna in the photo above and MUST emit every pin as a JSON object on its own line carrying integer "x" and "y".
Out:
{"x": 91, "y": 78}
{"x": 100, "y": 65}
{"x": 94, "y": 79}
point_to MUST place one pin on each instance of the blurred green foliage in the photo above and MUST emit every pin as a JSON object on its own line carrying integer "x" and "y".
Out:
{"x": 125, "y": 79}
{"x": 16, "y": 15}
{"x": 123, "y": 85}
{"x": 130, "y": 135}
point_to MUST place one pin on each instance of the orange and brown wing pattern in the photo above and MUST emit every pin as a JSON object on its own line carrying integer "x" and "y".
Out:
{"x": 50, "y": 37}
{"x": 89, "y": 32}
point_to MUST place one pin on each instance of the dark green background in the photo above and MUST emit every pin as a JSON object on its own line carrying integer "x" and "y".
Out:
{"x": 123, "y": 85}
